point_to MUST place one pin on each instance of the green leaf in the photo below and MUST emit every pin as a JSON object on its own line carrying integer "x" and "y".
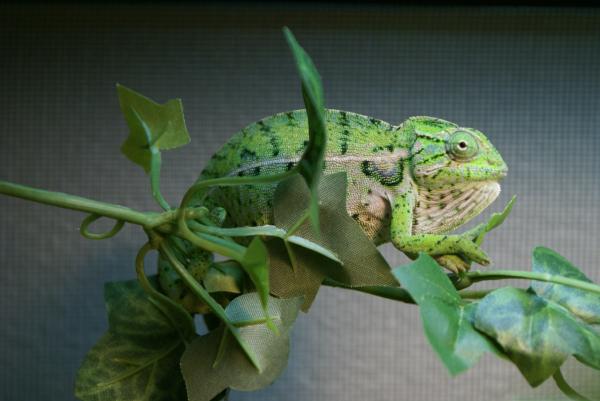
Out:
{"x": 268, "y": 231}
{"x": 584, "y": 304}
{"x": 256, "y": 263}
{"x": 311, "y": 163}
{"x": 152, "y": 126}
{"x": 204, "y": 379}
{"x": 494, "y": 221}
{"x": 361, "y": 263}
{"x": 138, "y": 357}
{"x": 536, "y": 334}
{"x": 447, "y": 319}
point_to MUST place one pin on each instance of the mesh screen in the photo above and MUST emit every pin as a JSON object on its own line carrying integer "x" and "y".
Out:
{"x": 527, "y": 78}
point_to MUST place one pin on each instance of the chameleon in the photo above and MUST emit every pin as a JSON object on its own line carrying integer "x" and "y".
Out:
{"x": 409, "y": 184}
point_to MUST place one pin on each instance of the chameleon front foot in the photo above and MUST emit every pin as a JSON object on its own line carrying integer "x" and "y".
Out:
{"x": 453, "y": 263}
{"x": 451, "y": 251}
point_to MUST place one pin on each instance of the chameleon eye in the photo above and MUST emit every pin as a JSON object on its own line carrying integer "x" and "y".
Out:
{"x": 462, "y": 145}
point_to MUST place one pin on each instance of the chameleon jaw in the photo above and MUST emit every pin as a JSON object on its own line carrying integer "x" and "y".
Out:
{"x": 442, "y": 210}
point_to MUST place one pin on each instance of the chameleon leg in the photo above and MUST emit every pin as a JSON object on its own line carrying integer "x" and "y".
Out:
{"x": 440, "y": 246}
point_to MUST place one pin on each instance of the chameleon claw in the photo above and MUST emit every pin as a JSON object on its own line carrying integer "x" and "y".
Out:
{"x": 453, "y": 263}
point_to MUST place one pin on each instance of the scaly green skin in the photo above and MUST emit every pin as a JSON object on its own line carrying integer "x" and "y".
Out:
{"x": 409, "y": 184}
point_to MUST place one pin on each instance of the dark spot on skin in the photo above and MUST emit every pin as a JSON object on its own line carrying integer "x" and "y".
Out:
{"x": 365, "y": 167}
{"x": 274, "y": 140}
{"x": 344, "y": 141}
{"x": 247, "y": 154}
{"x": 416, "y": 153}
{"x": 434, "y": 176}
{"x": 433, "y": 157}
{"x": 264, "y": 127}
{"x": 291, "y": 119}
{"x": 344, "y": 119}
{"x": 430, "y": 138}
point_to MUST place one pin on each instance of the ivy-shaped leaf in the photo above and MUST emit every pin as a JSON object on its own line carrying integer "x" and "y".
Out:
{"x": 311, "y": 163}
{"x": 361, "y": 263}
{"x": 583, "y": 304}
{"x": 447, "y": 319}
{"x": 138, "y": 357}
{"x": 214, "y": 362}
{"x": 152, "y": 126}
{"x": 537, "y": 334}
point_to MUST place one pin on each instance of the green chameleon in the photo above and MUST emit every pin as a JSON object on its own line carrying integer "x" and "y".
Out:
{"x": 410, "y": 184}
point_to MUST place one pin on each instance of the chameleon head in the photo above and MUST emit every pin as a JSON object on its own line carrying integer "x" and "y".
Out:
{"x": 456, "y": 172}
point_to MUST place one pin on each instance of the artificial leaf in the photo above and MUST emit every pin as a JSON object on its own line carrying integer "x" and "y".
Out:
{"x": 479, "y": 232}
{"x": 256, "y": 263}
{"x": 311, "y": 163}
{"x": 205, "y": 379}
{"x": 583, "y": 304}
{"x": 361, "y": 263}
{"x": 152, "y": 126}
{"x": 536, "y": 334}
{"x": 138, "y": 357}
{"x": 270, "y": 231}
{"x": 447, "y": 319}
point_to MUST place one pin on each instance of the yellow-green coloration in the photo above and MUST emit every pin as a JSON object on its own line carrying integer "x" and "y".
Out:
{"x": 409, "y": 184}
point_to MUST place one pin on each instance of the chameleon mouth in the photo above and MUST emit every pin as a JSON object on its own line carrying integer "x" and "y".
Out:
{"x": 444, "y": 209}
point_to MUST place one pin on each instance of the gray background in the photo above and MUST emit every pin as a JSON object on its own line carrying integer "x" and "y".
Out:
{"x": 529, "y": 78}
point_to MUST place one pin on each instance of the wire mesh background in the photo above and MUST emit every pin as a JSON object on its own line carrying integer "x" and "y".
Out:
{"x": 528, "y": 78}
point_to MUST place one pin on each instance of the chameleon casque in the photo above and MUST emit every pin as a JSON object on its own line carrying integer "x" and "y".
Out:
{"x": 410, "y": 184}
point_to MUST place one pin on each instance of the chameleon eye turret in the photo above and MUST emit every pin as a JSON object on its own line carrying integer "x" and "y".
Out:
{"x": 462, "y": 145}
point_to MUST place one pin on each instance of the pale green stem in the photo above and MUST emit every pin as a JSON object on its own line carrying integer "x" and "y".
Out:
{"x": 475, "y": 276}
{"x": 155, "y": 163}
{"x": 233, "y": 181}
{"x": 98, "y": 236}
{"x": 211, "y": 243}
{"x": 394, "y": 293}
{"x": 202, "y": 294}
{"x": 78, "y": 203}
{"x": 566, "y": 389}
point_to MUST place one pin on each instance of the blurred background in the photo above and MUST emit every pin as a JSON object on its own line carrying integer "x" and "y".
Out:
{"x": 527, "y": 77}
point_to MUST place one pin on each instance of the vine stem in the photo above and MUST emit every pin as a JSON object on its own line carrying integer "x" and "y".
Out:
{"x": 78, "y": 203}
{"x": 389, "y": 292}
{"x": 233, "y": 181}
{"x": 475, "y": 276}
{"x": 202, "y": 294}
{"x": 566, "y": 389}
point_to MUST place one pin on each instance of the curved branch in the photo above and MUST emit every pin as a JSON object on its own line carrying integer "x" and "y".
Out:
{"x": 97, "y": 236}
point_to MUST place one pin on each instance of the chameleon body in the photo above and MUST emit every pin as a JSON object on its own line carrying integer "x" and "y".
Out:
{"x": 410, "y": 184}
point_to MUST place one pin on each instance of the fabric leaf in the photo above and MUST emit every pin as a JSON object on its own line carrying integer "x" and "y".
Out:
{"x": 447, "y": 319}
{"x": 152, "y": 126}
{"x": 138, "y": 357}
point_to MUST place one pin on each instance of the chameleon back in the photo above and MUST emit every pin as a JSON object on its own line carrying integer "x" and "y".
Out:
{"x": 356, "y": 144}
